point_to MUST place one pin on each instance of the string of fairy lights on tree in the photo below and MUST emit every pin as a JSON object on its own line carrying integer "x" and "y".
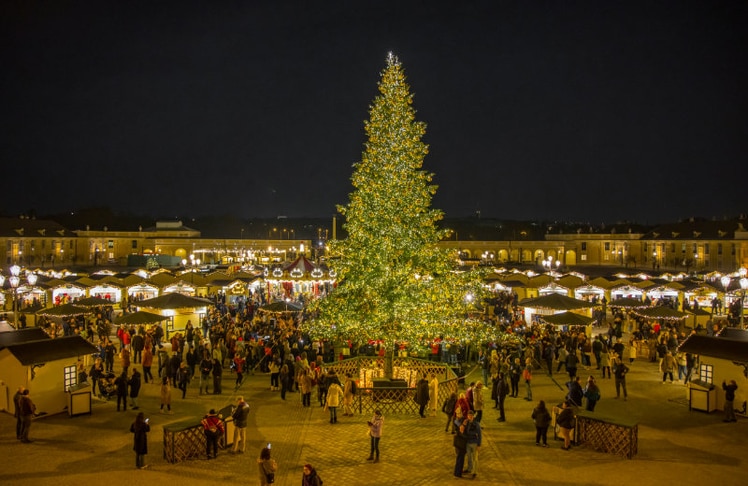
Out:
{"x": 395, "y": 283}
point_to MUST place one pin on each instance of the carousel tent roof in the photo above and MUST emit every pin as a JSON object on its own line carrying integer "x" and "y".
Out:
{"x": 174, "y": 301}
{"x": 566, "y": 319}
{"x": 301, "y": 263}
{"x": 555, "y": 302}
{"x": 44, "y": 350}
{"x": 716, "y": 347}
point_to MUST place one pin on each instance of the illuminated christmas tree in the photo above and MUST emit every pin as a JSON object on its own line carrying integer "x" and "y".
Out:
{"x": 395, "y": 283}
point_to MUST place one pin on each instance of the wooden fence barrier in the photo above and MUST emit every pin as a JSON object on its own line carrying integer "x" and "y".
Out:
{"x": 605, "y": 435}
{"x": 186, "y": 440}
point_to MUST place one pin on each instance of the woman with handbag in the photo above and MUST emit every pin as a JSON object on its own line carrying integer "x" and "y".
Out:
{"x": 267, "y": 467}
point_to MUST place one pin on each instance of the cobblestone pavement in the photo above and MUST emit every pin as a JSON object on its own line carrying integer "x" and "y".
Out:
{"x": 675, "y": 445}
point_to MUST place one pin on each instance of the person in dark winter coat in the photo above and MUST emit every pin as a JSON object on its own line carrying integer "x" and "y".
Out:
{"x": 576, "y": 393}
{"x": 140, "y": 428}
{"x": 542, "y": 419}
{"x": 217, "y": 375}
{"x": 502, "y": 390}
{"x": 565, "y": 422}
{"x": 174, "y": 363}
{"x": 121, "y": 384}
{"x": 138, "y": 344}
{"x": 134, "y": 383}
{"x": 17, "y": 411}
{"x": 310, "y": 478}
{"x": 592, "y": 393}
{"x": 449, "y": 409}
{"x": 422, "y": 396}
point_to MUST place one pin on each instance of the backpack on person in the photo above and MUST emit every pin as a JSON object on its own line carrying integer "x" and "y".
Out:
{"x": 449, "y": 406}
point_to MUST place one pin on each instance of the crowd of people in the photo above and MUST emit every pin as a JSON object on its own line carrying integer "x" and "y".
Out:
{"x": 246, "y": 340}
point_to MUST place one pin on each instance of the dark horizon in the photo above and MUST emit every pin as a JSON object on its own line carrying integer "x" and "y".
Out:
{"x": 580, "y": 111}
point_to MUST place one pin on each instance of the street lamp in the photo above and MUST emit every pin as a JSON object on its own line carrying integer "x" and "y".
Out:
{"x": 15, "y": 281}
{"x": 743, "y": 287}
{"x": 725, "y": 284}
{"x": 194, "y": 262}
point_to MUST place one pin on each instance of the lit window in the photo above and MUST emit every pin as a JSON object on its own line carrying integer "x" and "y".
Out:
{"x": 71, "y": 377}
{"x": 706, "y": 373}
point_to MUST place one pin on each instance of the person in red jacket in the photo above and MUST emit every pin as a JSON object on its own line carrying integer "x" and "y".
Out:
{"x": 213, "y": 429}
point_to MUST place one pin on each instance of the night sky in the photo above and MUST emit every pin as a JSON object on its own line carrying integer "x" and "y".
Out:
{"x": 580, "y": 111}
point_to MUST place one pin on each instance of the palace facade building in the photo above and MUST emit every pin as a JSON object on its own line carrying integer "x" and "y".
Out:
{"x": 693, "y": 245}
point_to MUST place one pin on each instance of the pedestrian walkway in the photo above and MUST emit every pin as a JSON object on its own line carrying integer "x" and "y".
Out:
{"x": 675, "y": 445}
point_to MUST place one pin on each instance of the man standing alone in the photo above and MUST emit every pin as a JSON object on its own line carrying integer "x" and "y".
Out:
{"x": 619, "y": 371}
{"x": 240, "y": 425}
{"x": 28, "y": 409}
{"x": 17, "y": 411}
{"x": 729, "y": 400}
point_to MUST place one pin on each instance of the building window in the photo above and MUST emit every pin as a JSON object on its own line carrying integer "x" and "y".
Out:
{"x": 682, "y": 247}
{"x": 607, "y": 246}
{"x": 71, "y": 377}
{"x": 719, "y": 248}
{"x": 732, "y": 249}
{"x": 706, "y": 248}
{"x": 672, "y": 247}
{"x": 706, "y": 373}
{"x": 584, "y": 246}
{"x": 134, "y": 244}
{"x": 110, "y": 244}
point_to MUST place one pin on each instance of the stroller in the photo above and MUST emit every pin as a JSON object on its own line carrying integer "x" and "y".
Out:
{"x": 107, "y": 388}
